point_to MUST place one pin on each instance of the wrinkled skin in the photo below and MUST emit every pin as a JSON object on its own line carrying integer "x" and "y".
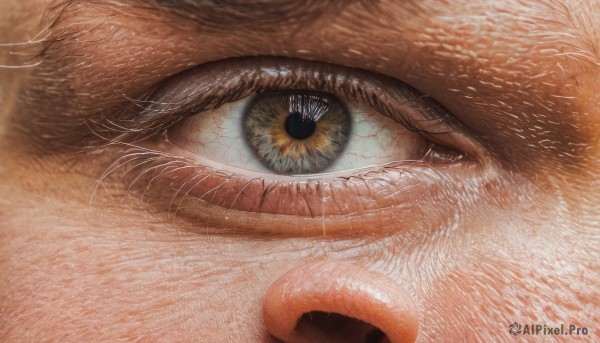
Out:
{"x": 512, "y": 237}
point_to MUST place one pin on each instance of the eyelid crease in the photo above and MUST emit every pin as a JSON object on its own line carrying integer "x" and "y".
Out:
{"x": 213, "y": 84}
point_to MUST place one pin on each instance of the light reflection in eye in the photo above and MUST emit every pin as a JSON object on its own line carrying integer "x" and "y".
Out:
{"x": 296, "y": 132}
{"x": 251, "y": 134}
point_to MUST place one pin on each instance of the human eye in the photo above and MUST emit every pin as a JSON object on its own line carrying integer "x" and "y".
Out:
{"x": 284, "y": 137}
{"x": 297, "y": 131}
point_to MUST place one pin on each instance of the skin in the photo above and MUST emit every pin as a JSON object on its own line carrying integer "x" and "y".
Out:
{"x": 512, "y": 237}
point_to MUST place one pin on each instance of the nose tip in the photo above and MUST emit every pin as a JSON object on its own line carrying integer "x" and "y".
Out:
{"x": 334, "y": 301}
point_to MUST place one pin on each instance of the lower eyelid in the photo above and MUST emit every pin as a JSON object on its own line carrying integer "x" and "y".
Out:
{"x": 186, "y": 185}
{"x": 377, "y": 201}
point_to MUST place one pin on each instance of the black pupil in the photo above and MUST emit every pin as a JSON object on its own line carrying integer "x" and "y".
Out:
{"x": 298, "y": 127}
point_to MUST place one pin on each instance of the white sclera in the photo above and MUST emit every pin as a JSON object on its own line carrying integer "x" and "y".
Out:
{"x": 217, "y": 135}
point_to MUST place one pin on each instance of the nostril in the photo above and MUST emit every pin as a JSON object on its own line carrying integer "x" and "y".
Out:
{"x": 334, "y": 327}
{"x": 331, "y": 323}
{"x": 334, "y": 301}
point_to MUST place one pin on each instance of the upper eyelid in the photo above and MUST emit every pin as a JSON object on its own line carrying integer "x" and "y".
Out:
{"x": 211, "y": 85}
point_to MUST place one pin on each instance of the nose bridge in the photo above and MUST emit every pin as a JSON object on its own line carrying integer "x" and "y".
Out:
{"x": 340, "y": 288}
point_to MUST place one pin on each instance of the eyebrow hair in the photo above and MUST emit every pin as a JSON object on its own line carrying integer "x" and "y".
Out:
{"x": 219, "y": 15}
{"x": 253, "y": 12}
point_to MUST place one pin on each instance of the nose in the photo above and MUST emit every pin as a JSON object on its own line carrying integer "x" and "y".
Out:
{"x": 335, "y": 301}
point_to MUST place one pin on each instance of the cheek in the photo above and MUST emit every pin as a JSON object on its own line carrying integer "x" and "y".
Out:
{"x": 520, "y": 265}
{"x": 481, "y": 299}
{"x": 112, "y": 279}
{"x": 117, "y": 279}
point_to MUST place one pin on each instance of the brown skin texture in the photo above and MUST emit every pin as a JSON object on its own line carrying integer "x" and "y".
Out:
{"x": 513, "y": 237}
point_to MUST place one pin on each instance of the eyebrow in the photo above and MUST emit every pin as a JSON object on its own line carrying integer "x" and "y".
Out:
{"x": 220, "y": 15}
{"x": 241, "y": 12}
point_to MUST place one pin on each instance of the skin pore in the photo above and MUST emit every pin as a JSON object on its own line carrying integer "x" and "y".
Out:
{"x": 507, "y": 234}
